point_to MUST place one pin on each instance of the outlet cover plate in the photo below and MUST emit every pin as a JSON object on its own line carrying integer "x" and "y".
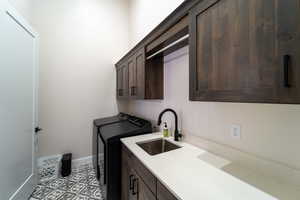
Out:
{"x": 235, "y": 132}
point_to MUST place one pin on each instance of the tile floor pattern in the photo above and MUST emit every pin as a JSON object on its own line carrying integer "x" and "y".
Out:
{"x": 82, "y": 184}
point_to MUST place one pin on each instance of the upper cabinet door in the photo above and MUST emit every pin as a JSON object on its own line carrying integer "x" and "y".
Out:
{"x": 140, "y": 73}
{"x": 125, "y": 81}
{"x": 132, "y": 77}
{"x": 237, "y": 49}
{"x": 119, "y": 82}
{"x": 122, "y": 81}
{"x": 136, "y": 67}
{"x": 289, "y": 50}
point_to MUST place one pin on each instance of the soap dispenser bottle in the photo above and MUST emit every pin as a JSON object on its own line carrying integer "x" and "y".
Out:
{"x": 166, "y": 130}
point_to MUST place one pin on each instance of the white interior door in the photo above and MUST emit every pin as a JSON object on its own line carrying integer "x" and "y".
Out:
{"x": 18, "y": 69}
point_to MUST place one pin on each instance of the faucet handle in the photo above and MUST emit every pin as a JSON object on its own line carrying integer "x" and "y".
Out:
{"x": 180, "y": 134}
{"x": 177, "y": 135}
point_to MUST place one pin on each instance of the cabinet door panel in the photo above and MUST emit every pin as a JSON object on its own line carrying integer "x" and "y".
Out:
{"x": 140, "y": 73}
{"x": 144, "y": 193}
{"x": 119, "y": 81}
{"x": 125, "y": 176}
{"x": 234, "y": 51}
{"x": 163, "y": 193}
{"x": 125, "y": 81}
{"x": 122, "y": 81}
{"x": 289, "y": 43}
{"x": 132, "y": 77}
{"x": 140, "y": 190}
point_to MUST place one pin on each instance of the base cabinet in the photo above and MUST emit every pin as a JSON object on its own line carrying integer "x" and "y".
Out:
{"x": 163, "y": 193}
{"x": 138, "y": 190}
{"x": 138, "y": 183}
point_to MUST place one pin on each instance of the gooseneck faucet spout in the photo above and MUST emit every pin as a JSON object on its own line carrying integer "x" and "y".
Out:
{"x": 177, "y": 135}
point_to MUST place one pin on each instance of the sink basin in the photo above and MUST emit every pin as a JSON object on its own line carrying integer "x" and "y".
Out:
{"x": 158, "y": 146}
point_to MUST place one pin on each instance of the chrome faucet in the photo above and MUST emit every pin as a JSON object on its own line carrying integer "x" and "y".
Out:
{"x": 177, "y": 135}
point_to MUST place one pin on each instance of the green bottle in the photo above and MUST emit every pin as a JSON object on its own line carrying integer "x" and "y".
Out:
{"x": 166, "y": 130}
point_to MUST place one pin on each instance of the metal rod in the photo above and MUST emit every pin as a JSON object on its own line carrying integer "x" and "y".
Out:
{"x": 169, "y": 46}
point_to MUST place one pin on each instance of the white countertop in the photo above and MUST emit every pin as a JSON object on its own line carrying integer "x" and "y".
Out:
{"x": 191, "y": 173}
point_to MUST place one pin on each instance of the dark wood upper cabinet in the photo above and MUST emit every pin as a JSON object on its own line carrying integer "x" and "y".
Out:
{"x": 238, "y": 51}
{"x": 144, "y": 78}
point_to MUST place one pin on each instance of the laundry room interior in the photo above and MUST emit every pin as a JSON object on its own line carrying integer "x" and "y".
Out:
{"x": 150, "y": 100}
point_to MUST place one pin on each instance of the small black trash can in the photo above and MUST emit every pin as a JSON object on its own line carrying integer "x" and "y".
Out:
{"x": 66, "y": 165}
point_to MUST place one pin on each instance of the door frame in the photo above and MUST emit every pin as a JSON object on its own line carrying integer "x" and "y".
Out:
{"x": 31, "y": 181}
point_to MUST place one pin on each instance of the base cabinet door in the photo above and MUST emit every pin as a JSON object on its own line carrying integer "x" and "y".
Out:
{"x": 163, "y": 193}
{"x": 125, "y": 182}
{"x": 139, "y": 190}
{"x": 245, "y": 51}
{"x": 137, "y": 184}
{"x": 133, "y": 187}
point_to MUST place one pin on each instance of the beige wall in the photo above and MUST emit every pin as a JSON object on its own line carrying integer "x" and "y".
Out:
{"x": 145, "y": 15}
{"x": 24, "y": 7}
{"x": 77, "y": 82}
{"x": 80, "y": 40}
{"x": 269, "y": 132}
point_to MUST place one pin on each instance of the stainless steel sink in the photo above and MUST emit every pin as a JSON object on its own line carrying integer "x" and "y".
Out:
{"x": 154, "y": 147}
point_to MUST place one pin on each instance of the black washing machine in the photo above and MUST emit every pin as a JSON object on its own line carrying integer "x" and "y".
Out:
{"x": 98, "y": 123}
{"x": 106, "y": 140}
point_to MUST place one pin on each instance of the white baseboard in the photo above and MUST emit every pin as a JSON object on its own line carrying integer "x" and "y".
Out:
{"x": 81, "y": 161}
{"x": 24, "y": 191}
{"x": 84, "y": 160}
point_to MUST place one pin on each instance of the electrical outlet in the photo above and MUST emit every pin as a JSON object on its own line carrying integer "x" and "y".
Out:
{"x": 235, "y": 132}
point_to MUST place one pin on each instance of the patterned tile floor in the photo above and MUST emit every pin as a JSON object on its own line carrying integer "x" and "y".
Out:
{"x": 82, "y": 184}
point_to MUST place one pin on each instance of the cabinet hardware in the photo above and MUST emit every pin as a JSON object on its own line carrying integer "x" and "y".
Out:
{"x": 120, "y": 92}
{"x": 135, "y": 190}
{"x": 286, "y": 65}
{"x": 131, "y": 185}
{"x": 133, "y": 91}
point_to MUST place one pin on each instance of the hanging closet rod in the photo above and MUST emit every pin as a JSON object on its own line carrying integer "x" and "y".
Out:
{"x": 169, "y": 46}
